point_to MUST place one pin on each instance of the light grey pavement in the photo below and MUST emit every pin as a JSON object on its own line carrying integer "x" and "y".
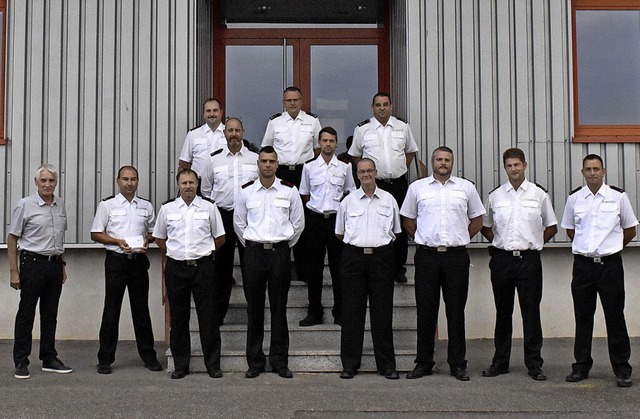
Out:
{"x": 133, "y": 392}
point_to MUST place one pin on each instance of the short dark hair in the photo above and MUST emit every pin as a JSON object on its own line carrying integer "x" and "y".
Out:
{"x": 380, "y": 94}
{"x": 349, "y": 142}
{"x": 592, "y": 157}
{"x": 513, "y": 153}
{"x": 441, "y": 148}
{"x": 267, "y": 150}
{"x": 128, "y": 167}
{"x": 212, "y": 99}
{"x": 328, "y": 130}
{"x": 233, "y": 118}
{"x": 292, "y": 89}
{"x": 187, "y": 171}
{"x": 366, "y": 159}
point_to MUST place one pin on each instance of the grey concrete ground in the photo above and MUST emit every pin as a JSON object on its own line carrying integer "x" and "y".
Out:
{"x": 132, "y": 391}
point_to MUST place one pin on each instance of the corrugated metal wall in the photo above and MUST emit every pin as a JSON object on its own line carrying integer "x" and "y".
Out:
{"x": 93, "y": 85}
{"x": 485, "y": 75}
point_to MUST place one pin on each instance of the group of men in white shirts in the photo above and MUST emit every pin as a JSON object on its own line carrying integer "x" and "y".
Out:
{"x": 295, "y": 193}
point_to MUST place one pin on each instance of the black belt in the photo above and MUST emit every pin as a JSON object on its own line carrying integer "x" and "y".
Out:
{"x": 322, "y": 215}
{"x": 267, "y": 246}
{"x": 514, "y": 253}
{"x": 129, "y": 256}
{"x": 597, "y": 259}
{"x": 392, "y": 181}
{"x": 38, "y": 256}
{"x": 292, "y": 167}
{"x": 190, "y": 262}
{"x": 442, "y": 249}
{"x": 370, "y": 250}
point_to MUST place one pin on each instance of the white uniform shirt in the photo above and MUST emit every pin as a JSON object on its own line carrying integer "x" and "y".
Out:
{"x": 119, "y": 218}
{"x": 518, "y": 218}
{"x": 598, "y": 220}
{"x": 368, "y": 221}
{"x": 225, "y": 173}
{"x": 386, "y": 145}
{"x": 442, "y": 212}
{"x": 293, "y": 139}
{"x": 199, "y": 144}
{"x": 189, "y": 229}
{"x": 326, "y": 184}
{"x": 39, "y": 227}
{"x": 268, "y": 215}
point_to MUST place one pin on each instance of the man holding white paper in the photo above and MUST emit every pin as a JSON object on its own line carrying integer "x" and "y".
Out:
{"x": 123, "y": 223}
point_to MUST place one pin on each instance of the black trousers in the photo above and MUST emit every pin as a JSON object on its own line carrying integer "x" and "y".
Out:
{"x": 367, "y": 276}
{"x": 183, "y": 281}
{"x": 39, "y": 280}
{"x": 224, "y": 262}
{"x": 606, "y": 279}
{"x": 321, "y": 231}
{"x": 449, "y": 271}
{"x": 267, "y": 271}
{"x": 398, "y": 188}
{"x": 524, "y": 274}
{"x": 133, "y": 275}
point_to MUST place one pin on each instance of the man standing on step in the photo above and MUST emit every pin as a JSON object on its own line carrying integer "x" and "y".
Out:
{"x": 37, "y": 227}
{"x": 124, "y": 223}
{"x": 442, "y": 213}
{"x": 325, "y": 181}
{"x": 367, "y": 222}
{"x": 518, "y": 222}
{"x": 226, "y": 170}
{"x": 268, "y": 219}
{"x": 188, "y": 230}
{"x": 600, "y": 222}
{"x": 387, "y": 141}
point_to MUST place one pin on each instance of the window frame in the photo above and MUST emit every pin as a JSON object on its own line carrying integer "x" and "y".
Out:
{"x": 3, "y": 54}
{"x": 598, "y": 133}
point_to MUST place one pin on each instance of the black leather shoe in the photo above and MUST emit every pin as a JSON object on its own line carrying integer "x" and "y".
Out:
{"x": 623, "y": 380}
{"x": 253, "y": 372}
{"x": 283, "y": 372}
{"x": 537, "y": 374}
{"x": 310, "y": 321}
{"x": 217, "y": 373}
{"x": 153, "y": 366}
{"x": 348, "y": 374}
{"x": 338, "y": 321}
{"x": 401, "y": 278}
{"x": 576, "y": 376}
{"x": 495, "y": 370}
{"x": 419, "y": 371}
{"x": 104, "y": 369}
{"x": 390, "y": 374}
{"x": 176, "y": 375}
{"x": 460, "y": 374}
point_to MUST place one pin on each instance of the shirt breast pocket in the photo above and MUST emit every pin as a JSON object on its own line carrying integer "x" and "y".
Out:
{"x": 398, "y": 140}
{"x": 531, "y": 210}
{"x": 354, "y": 219}
{"x": 501, "y": 211}
{"x": 383, "y": 217}
{"x": 370, "y": 140}
{"x": 608, "y": 214}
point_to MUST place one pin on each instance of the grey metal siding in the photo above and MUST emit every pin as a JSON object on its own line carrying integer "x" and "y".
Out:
{"x": 93, "y": 85}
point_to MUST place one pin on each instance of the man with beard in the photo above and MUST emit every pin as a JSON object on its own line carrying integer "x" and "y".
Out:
{"x": 442, "y": 213}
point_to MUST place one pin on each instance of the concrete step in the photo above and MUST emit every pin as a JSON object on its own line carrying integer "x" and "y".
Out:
{"x": 403, "y": 310}
{"x": 307, "y": 338}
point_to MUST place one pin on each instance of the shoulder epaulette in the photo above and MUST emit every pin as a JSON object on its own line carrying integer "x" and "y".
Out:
{"x": 275, "y": 115}
{"x": 472, "y": 182}
{"x": 365, "y": 122}
{"x": 170, "y": 200}
{"x": 195, "y": 128}
{"x": 312, "y": 114}
{"x": 494, "y": 189}
{"x": 344, "y": 157}
{"x": 248, "y": 184}
{"x": 250, "y": 146}
{"x": 575, "y": 190}
{"x": 108, "y": 198}
{"x": 310, "y": 160}
{"x": 144, "y": 199}
{"x": 615, "y": 188}
{"x": 287, "y": 183}
{"x": 541, "y": 187}
{"x": 402, "y": 119}
{"x": 209, "y": 199}
{"x": 218, "y": 151}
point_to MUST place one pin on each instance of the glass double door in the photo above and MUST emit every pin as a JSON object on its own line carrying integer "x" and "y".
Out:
{"x": 338, "y": 78}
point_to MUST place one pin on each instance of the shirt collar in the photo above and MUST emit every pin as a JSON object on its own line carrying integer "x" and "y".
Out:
{"x": 241, "y": 152}
{"x": 524, "y": 186}
{"x": 197, "y": 201}
{"x": 604, "y": 189}
{"x": 361, "y": 193}
{"x": 207, "y": 128}
{"x": 451, "y": 179}
{"x": 332, "y": 162}
{"x": 121, "y": 199}
{"x": 390, "y": 122}
{"x": 41, "y": 201}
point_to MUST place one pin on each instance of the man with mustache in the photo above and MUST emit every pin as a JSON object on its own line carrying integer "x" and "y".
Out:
{"x": 442, "y": 213}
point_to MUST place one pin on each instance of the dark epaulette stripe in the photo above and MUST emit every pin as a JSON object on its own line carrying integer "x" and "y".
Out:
{"x": 218, "y": 151}
{"x": 275, "y": 115}
{"x": 472, "y": 182}
{"x": 108, "y": 198}
{"x": 365, "y": 122}
{"x": 287, "y": 183}
{"x": 575, "y": 190}
{"x": 170, "y": 200}
{"x": 310, "y": 160}
{"x": 615, "y": 188}
{"x": 248, "y": 184}
{"x": 208, "y": 199}
{"x": 495, "y": 189}
{"x": 402, "y": 119}
{"x": 312, "y": 114}
{"x": 144, "y": 199}
{"x": 541, "y": 187}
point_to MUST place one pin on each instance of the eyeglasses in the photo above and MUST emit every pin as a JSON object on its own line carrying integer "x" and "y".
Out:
{"x": 368, "y": 171}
